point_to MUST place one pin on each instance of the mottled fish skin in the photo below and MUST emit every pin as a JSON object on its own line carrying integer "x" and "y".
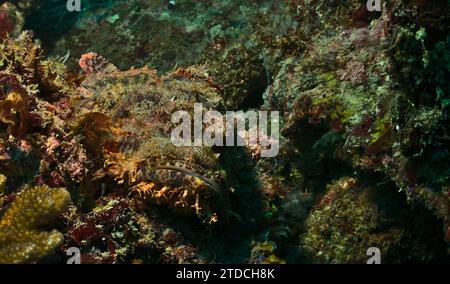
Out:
{"x": 211, "y": 183}
{"x": 141, "y": 103}
{"x": 174, "y": 171}
{"x": 178, "y": 173}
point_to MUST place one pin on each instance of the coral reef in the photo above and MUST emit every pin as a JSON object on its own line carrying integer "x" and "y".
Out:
{"x": 117, "y": 230}
{"x": 351, "y": 218}
{"x": 35, "y": 102}
{"x": 348, "y": 82}
{"x": 86, "y": 104}
{"x": 20, "y": 239}
{"x": 241, "y": 75}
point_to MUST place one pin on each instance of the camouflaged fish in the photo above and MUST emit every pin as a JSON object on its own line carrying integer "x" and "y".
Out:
{"x": 141, "y": 103}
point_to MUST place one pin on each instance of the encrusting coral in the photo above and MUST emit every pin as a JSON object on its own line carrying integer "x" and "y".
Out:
{"x": 352, "y": 217}
{"x": 35, "y": 101}
{"x": 369, "y": 92}
{"x": 20, "y": 239}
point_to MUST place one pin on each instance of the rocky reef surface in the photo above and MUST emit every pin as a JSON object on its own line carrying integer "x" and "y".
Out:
{"x": 86, "y": 105}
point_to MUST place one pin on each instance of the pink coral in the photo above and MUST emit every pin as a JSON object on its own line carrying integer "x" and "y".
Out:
{"x": 51, "y": 144}
{"x": 25, "y": 146}
{"x": 92, "y": 63}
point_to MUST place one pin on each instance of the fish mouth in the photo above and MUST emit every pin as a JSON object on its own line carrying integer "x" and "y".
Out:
{"x": 177, "y": 169}
{"x": 212, "y": 184}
